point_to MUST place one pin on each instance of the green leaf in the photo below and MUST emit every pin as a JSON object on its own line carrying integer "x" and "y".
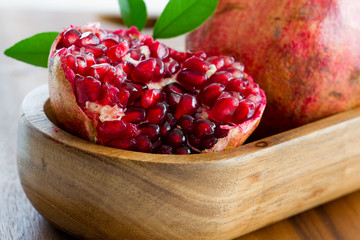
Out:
{"x": 33, "y": 50}
{"x": 133, "y": 13}
{"x": 182, "y": 16}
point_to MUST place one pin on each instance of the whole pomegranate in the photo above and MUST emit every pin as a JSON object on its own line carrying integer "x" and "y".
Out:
{"x": 125, "y": 90}
{"x": 304, "y": 54}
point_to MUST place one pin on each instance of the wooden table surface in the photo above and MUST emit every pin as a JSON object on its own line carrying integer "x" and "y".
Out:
{"x": 339, "y": 219}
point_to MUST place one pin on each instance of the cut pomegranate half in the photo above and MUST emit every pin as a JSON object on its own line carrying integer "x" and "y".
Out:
{"x": 125, "y": 90}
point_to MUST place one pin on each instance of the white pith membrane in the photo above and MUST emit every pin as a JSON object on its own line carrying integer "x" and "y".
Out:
{"x": 101, "y": 113}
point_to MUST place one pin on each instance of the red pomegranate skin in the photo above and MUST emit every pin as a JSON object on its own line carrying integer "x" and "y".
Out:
{"x": 305, "y": 54}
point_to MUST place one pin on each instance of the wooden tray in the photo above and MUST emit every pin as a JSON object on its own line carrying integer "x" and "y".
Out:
{"x": 97, "y": 192}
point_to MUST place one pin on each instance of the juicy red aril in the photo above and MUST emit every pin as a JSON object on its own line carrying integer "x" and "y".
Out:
{"x": 123, "y": 97}
{"x": 204, "y": 128}
{"x": 71, "y": 62}
{"x": 183, "y": 150}
{"x": 115, "y": 76}
{"x": 186, "y": 123}
{"x": 170, "y": 119}
{"x": 229, "y": 61}
{"x": 150, "y": 130}
{"x": 191, "y": 80}
{"x": 165, "y": 129}
{"x": 237, "y": 84}
{"x": 87, "y": 89}
{"x": 196, "y": 53}
{"x": 109, "y": 95}
{"x": 97, "y": 50}
{"x": 238, "y": 65}
{"x": 224, "y": 109}
{"x": 109, "y": 42}
{"x": 144, "y": 71}
{"x": 143, "y": 144}
{"x": 90, "y": 59}
{"x": 70, "y": 37}
{"x": 127, "y": 144}
{"x": 166, "y": 149}
{"x": 99, "y": 71}
{"x": 210, "y": 93}
{"x": 87, "y": 39}
{"x": 115, "y": 53}
{"x": 136, "y": 54}
{"x": 187, "y": 105}
{"x": 221, "y": 131}
{"x": 195, "y": 142}
{"x": 218, "y": 62}
{"x": 175, "y": 137}
{"x": 209, "y": 143}
{"x": 110, "y": 130}
{"x": 128, "y": 67}
{"x": 244, "y": 111}
{"x": 173, "y": 100}
{"x": 150, "y": 97}
{"x": 103, "y": 59}
{"x": 236, "y": 73}
{"x": 156, "y": 113}
{"x": 175, "y": 88}
{"x": 221, "y": 77}
{"x": 81, "y": 65}
{"x": 171, "y": 67}
{"x": 134, "y": 115}
{"x": 159, "y": 50}
{"x": 197, "y": 64}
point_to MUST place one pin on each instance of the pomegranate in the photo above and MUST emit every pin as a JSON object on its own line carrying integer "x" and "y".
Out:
{"x": 125, "y": 90}
{"x": 304, "y": 54}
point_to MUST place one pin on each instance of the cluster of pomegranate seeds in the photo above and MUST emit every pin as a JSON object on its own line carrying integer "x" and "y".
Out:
{"x": 145, "y": 96}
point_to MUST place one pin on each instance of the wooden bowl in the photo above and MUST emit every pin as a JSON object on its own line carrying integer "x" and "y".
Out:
{"x": 97, "y": 192}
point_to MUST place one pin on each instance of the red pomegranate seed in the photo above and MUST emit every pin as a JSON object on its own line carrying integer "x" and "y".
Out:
{"x": 126, "y": 66}
{"x": 82, "y": 65}
{"x": 87, "y": 89}
{"x": 236, "y": 73}
{"x": 195, "y": 142}
{"x": 150, "y": 97}
{"x": 224, "y": 109}
{"x": 255, "y": 98}
{"x": 209, "y": 143}
{"x": 134, "y": 115}
{"x": 183, "y": 150}
{"x": 175, "y": 137}
{"x": 170, "y": 119}
{"x": 196, "y": 53}
{"x": 115, "y": 53}
{"x": 221, "y": 77}
{"x": 126, "y": 144}
{"x": 158, "y": 71}
{"x": 109, "y": 94}
{"x": 70, "y": 36}
{"x": 143, "y": 144}
{"x": 150, "y": 130}
{"x": 228, "y": 60}
{"x": 158, "y": 50}
{"x": 238, "y": 65}
{"x": 144, "y": 71}
{"x": 178, "y": 56}
{"x": 191, "y": 80}
{"x": 90, "y": 59}
{"x": 204, "y": 128}
{"x": 97, "y": 50}
{"x": 187, "y": 105}
{"x": 209, "y": 94}
{"x": 136, "y": 54}
{"x": 197, "y": 64}
{"x": 123, "y": 97}
{"x": 99, "y": 71}
{"x": 71, "y": 62}
{"x": 221, "y": 131}
{"x": 173, "y": 100}
{"x": 186, "y": 123}
{"x": 103, "y": 59}
{"x": 110, "y": 130}
{"x": 171, "y": 67}
{"x": 115, "y": 76}
{"x": 165, "y": 128}
{"x": 156, "y": 113}
{"x": 109, "y": 42}
{"x": 244, "y": 111}
{"x": 87, "y": 39}
{"x": 166, "y": 149}
{"x": 175, "y": 88}
{"x": 217, "y": 61}
{"x": 237, "y": 84}
{"x": 237, "y": 95}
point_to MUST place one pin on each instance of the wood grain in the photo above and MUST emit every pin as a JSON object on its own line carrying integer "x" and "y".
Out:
{"x": 96, "y": 192}
{"x": 338, "y": 219}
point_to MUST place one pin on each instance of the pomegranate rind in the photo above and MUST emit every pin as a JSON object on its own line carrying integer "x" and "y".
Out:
{"x": 68, "y": 113}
